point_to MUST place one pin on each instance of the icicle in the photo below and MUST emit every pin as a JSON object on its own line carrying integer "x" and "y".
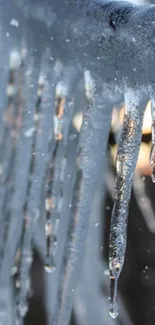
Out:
{"x": 11, "y": 137}
{"x": 127, "y": 154}
{"x": 90, "y": 159}
{"x": 54, "y": 170}
{"x": 44, "y": 133}
{"x": 23, "y": 268}
{"x": 7, "y": 145}
{"x": 152, "y": 154}
{"x": 18, "y": 265}
{"x": 54, "y": 196}
{"x": 53, "y": 201}
{"x": 22, "y": 166}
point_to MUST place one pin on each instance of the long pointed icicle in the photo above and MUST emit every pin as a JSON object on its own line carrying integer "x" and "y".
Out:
{"x": 24, "y": 256}
{"x": 90, "y": 159}
{"x": 11, "y": 137}
{"x": 54, "y": 196}
{"x": 22, "y": 167}
{"x": 43, "y": 136}
{"x": 127, "y": 154}
{"x": 52, "y": 186}
{"x": 6, "y": 140}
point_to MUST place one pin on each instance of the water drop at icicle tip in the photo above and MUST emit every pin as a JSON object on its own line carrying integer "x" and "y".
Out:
{"x": 113, "y": 310}
{"x": 50, "y": 268}
{"x": 23, "y": 309}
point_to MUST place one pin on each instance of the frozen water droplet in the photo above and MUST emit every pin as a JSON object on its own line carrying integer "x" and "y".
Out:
{"x": 14, "y": 59}
{"x": 23, "y": 309}
{"x": 18, "y": 284}
{"x": 96, "y": 224}
{"x": 13, "y": 270}
{"x": 14, "y": 22}
{"x": 49, "y": 268}
{"x": 29, "y": 132}
{"x": 113, "y": 311}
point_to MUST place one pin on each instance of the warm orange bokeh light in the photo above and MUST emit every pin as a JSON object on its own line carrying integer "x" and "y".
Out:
{"x": 143, "y": 165}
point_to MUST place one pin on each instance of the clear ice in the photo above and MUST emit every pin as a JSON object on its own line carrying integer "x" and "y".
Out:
{"x": 56, "y": 171}
{"x": 96, "y": 118}
{"x": 127, "y": 154}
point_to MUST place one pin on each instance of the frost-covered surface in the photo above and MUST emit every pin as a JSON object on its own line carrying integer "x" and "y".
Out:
{"x": 46, "y": 50}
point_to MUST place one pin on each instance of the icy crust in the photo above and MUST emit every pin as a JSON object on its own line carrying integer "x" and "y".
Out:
{"x": 96, "y": 35}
